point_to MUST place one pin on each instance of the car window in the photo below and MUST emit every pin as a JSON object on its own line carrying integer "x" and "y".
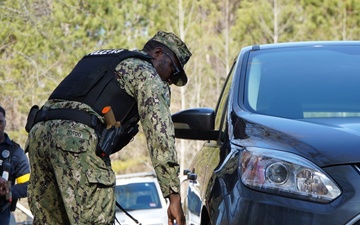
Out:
{"x": 304, "y": 82}
{"x": 137, "y": 196}
{"x": 220, "y": 111}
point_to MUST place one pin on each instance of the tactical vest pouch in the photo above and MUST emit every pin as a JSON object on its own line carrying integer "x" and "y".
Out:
{"x": 31, "y": 118}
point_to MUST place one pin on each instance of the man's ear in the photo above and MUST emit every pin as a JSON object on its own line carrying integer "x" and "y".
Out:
{"x": 156, "y": 52}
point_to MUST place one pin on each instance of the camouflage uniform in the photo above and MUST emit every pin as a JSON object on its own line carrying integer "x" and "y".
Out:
{"x": 70, "y": 184}
{"x": 141, "y": 81}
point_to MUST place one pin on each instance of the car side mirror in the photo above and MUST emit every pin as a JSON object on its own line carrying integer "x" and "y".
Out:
{"x": 195, "y": 124}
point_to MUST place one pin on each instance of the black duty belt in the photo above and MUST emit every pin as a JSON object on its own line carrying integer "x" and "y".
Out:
{"x": 69, "y": 114}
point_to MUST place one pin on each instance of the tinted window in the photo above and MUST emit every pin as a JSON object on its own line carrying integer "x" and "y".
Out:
{"x": 304, "y": 82}
{"x": 137, "y": 196}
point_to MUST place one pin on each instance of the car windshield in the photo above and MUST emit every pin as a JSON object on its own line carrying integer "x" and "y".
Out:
{"x": 136, "y": 196}
{"x": 304, "y": 82}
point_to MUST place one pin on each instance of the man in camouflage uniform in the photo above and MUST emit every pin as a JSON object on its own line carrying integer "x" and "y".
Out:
{"x": 70, "y": 184}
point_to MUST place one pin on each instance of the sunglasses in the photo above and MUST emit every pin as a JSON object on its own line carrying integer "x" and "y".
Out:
{"x": 177, "y": 70}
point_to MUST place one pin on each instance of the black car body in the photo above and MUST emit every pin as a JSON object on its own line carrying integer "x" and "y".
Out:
{"x": 283, "y": 144}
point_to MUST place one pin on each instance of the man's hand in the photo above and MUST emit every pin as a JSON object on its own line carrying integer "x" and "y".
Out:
{"x": 175, "y": 211}
{"x": 4, "y": 188}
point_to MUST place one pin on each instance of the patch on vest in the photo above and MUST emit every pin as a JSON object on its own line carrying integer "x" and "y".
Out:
{"x": 106, "y": 52}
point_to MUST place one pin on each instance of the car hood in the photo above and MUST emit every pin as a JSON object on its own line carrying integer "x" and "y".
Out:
{"x": 325, "y": 141}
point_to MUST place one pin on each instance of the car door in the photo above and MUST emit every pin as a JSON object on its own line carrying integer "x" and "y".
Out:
{"x": 202, "y": 176}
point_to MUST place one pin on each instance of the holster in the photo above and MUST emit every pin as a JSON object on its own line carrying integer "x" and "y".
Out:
{"x": 127, "y": 136}
{"x": 107, "y": 141}
{"x": 114, "y": 139}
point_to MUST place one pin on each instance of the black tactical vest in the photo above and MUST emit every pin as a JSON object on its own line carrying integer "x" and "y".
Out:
{"x": 93, "y": 82}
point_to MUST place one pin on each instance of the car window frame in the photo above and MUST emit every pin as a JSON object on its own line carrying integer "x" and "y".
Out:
{"x": 223, "y": 100}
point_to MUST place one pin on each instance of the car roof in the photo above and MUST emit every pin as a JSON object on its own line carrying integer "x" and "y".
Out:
{"x": 302, "y": 44}
{"x": 136, "y": 178}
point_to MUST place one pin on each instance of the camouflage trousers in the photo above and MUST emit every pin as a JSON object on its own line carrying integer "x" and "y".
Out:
{"x": 69, "y": 183}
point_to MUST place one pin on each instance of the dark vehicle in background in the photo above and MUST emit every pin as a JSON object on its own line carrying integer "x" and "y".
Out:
{"x": 282, "y": 146}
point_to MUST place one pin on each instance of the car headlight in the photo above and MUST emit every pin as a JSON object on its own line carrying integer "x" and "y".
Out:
{"x": 286, "y": 174}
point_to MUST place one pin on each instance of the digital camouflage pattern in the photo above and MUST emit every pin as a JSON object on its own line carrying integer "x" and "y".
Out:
{"x": 140, "y": 80}
{"x": 67, "y": 175}
{"x": 179, "y": 48}
{"x": 68, "y": 178}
